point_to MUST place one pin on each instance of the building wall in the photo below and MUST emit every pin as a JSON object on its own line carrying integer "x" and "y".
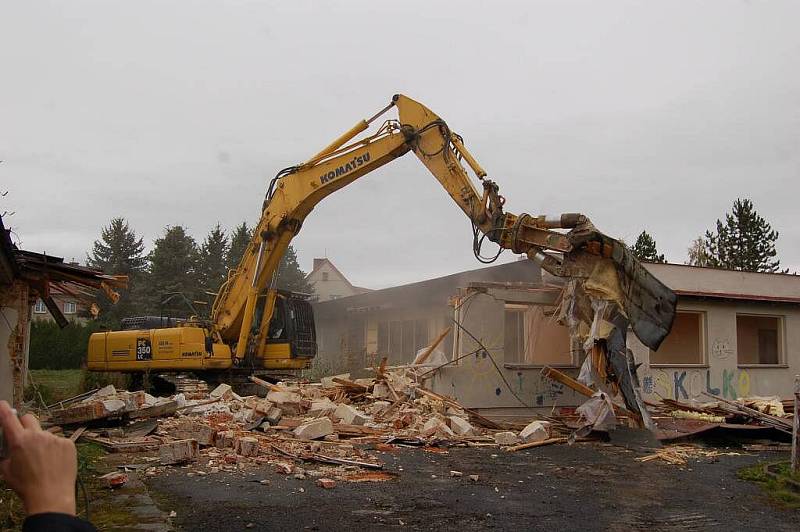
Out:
{"x": 14, "y": 341}
{"x": 339, "y": 323}
{"x": 476, "y": 382}
{"x": 721, "y": 372}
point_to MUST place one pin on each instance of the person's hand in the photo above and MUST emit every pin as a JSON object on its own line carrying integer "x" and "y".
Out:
{"x": 39, "y": 466}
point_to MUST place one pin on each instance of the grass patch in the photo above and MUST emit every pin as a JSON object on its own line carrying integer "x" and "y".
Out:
{"x": 55, "y": 384}
{"x": 778, "y": 489}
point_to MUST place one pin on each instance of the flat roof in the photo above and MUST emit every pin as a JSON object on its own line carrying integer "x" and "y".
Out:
{"x": 695, "y": 281}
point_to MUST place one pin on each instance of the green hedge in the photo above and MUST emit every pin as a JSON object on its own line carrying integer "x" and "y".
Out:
{"x": 56, "y": 348}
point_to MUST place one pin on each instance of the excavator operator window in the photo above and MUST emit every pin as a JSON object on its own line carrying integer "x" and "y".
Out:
{"x": 277, "y": 326}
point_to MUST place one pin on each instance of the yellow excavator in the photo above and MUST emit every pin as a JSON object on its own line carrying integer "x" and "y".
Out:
{"x": 254, "y": 327}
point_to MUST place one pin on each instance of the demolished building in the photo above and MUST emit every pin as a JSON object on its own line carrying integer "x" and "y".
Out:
{"x": 736, "y": 334}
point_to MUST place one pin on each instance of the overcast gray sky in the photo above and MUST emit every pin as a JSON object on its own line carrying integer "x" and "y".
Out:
{"x": 641, "y": 114}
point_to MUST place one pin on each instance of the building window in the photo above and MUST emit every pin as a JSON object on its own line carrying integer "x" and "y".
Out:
{"x": 39, "y": 307}
{"x": 514, "y": 339}
{"x": 324, "y": 276}
{"x": 383, "y": 338}
{"x": 685, "y": 343}
{"x": 395, "y": 340}
{"x": 759, "y": 339}
{"x": 402, "y": 339}
{"x": 533, "y": 337}
{"x": 70, "y": 307}
{"x": 420, "y": 335}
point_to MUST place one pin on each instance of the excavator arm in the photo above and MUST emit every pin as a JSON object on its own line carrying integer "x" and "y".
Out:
{"x": 582, "y": 254}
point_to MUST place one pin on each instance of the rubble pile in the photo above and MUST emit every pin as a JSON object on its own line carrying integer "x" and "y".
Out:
{"x": 335, "y": 423}
{"x": 108, "y": 402}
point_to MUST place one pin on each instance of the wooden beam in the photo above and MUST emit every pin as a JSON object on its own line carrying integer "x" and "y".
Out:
{"x": 535, "y": 444}
{"x": 424, "y": 356}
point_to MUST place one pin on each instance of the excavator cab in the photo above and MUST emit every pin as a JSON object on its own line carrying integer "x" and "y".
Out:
{"x": 291, "y": 340}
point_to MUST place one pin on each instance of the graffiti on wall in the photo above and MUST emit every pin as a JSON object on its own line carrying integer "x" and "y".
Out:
{"x": 691, "y": 383}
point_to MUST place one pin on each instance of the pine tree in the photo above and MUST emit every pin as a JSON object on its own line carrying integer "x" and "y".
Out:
{"x": 213, "y": 267}
{"x": 119, "y": 251}
{"x": 698, "y": 256}
{"x": 645, "y": 248}
{"x": 173, "y": 269}
{"x": 745, "y": 241}
{"x": 239, "y": 241}
{"x": 290, "y": 276}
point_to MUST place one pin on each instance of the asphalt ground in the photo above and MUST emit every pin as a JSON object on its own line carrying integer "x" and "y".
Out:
{"x": 586, "y": 486}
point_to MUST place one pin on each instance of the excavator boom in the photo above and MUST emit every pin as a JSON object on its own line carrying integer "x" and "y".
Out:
{"x": 298, "y": 189}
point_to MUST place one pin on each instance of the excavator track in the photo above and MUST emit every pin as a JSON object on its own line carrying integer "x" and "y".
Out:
{"x": 185, "y": 383}
{"x": 193, "y": 387}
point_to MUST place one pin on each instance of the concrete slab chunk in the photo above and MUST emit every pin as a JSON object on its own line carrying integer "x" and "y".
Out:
{"x": 506, "y": 438}
{"x": 461, "y": 426}
{"x": 535, "y": 431}
{"x": 178, "y": 452}
{"x": 223, "y": 391}
{"x": 113, "y": 405}
{"x": 320, "y": 408}
{"x": 349, "y": 415}
{"x": 318, "y": 428}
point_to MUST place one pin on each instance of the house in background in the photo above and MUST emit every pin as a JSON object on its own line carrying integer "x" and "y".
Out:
{"x": 329, "y": 283}
{"x": 72, "y": 308}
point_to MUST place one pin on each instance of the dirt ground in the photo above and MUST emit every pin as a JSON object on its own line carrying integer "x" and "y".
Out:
{"x": 587, "y": 486}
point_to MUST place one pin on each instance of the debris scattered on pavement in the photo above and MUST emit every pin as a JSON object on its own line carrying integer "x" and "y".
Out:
{"x": 680, "y": 454}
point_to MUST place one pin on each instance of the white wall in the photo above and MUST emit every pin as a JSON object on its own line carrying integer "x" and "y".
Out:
{"x": 720, "y": 372}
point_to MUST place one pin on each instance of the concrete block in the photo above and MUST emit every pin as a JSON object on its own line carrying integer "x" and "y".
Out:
{"x": 289, "y": 402}
{"x": 506, "y": 438}
{"x": 114, "y": 405}
{"x": 461, "y": 426}
{"x": 444, "y": 432}
{"x": 322, "y": 407}
{"x": 247, "y": 446}
{"x": 193, "y": 430}
{"x": 318, "y": 428}
{"x": 349, "y": 415}
{"x": 106, "y": 391}
{"x": 226, "y": 439}
{"x": 430, "y": 426}
{"x": 149, "y": 400}
{"x": 380, "y": 390}
{"x": 178, "y": 452}
{"x": 535, "y": 431}
{"x": 223, "y": 391}
{"x": 273, "y": 415}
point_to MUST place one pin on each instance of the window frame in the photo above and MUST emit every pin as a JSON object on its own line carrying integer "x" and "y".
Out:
{"x": 518, "y": 307}
{"x": 74, "y": 307}
{"x": 781, "y": 340}
{"x": 703, "y": 344}
{"x": 39, "y": 310}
